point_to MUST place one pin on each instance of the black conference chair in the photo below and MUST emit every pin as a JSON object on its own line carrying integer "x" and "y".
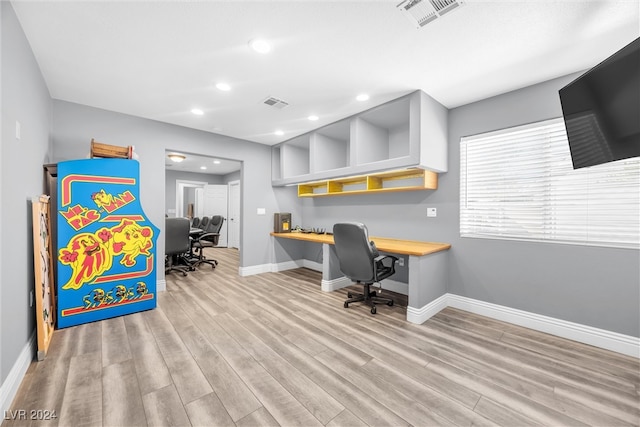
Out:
{"x": 360, "y": 261}
{"x": 208, "y": 240}
{"x": 204, "y": 223}
{"x": 195, "y": 222}
{"x": 176, "y": 243}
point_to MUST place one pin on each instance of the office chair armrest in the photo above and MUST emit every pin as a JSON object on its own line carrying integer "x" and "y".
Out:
{"x": 383, "y": 258}
{"x": 209, "y": 237}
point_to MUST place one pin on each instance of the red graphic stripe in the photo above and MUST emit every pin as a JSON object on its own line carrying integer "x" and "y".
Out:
{"x": 130, "y": 275}
{"x": 118, "y": 218}
{"x": 80, "y": 310}
{"x": 70, "y": 179}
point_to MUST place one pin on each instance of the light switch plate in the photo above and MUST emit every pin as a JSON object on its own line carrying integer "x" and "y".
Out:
{"x": 262, "y": 211}
{"x": 18, "y": 130}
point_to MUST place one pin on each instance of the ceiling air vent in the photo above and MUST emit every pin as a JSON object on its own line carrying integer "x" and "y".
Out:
{"x": 421, "y": 12}
{"x": 272, "y": 101}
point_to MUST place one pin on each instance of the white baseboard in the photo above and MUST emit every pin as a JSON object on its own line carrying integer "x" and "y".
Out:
{"x": 255, "y": 269}
{"x": 334, "y": 284}
{"x": 312, "y": 265}
{"x": 421, "y": 315}
{"x": 280, "y": 266}
{"x": 10, "y": 386}
{"x": 161, "y": 285}
{"x": 608, "y": 340}
{"x": 601, "y": 338}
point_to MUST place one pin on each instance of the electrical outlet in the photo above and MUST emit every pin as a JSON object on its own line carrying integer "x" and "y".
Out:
{"x": 400, "y": 262}
{"x": 18, "y": 130}
{"x": 432, "y": 212}
{"x": 30, "y": 298}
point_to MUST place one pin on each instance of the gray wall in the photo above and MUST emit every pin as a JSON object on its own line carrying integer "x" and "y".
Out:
{"x": 74, "y": 125}
{"x": 25, "y": 98}
{"x": 170, "y": 185}
{"x": 594, "y": 286}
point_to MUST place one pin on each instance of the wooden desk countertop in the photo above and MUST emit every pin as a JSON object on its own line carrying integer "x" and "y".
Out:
{"x": 384, "y": 244}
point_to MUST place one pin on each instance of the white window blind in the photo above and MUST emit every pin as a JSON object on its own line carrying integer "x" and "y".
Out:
{"x": 519, "y": 183}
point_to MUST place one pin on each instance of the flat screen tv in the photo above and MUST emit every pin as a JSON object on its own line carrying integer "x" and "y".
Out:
{"x": 601, "y": 110}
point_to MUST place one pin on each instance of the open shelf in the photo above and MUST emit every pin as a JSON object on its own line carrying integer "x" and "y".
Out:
{"x": 383, "y": 132}
{"x": 408, "y": 132}
{"x": 381, "y": 182}
{"x": 330, "y": 147}
{"x": 295, "y": 156}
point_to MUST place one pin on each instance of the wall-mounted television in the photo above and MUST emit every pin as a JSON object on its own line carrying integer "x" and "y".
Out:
{"x": 601, "y": 110}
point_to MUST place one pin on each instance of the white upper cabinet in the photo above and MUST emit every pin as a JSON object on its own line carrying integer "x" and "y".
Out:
{"x": 407, "y": 132}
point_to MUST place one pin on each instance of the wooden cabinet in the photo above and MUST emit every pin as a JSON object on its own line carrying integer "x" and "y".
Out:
{"x": 382, "y": 182}
{"x": 408, "y": 132}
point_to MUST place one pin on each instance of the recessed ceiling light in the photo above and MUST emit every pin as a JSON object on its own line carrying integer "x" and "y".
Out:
{"x": 203, "y": 167}
{"x": 176, "y": 157}
{"x": 279, "y": 132}
{"x": 197, "y": 111}
{"x": 362, "y": 97}
{"x": 313, "y": 118}
{"x": 223, "y": 86}
{"x": 216, "y": 162}
{"x": 260, "y": 45}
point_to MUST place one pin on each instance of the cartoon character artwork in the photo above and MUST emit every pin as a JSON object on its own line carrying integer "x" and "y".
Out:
{"x": 97, "y": 297}
{"x": 102, "y": 199}
{"x": 121, "y": 293}
{"x": 91, "y": 254}
{"x": 106, "y": 245}
{"x": 110, "y": 203}
{"x": 141, "y": 290}
{"x": 88, "y": 255}
{"x": 131, "y": 240}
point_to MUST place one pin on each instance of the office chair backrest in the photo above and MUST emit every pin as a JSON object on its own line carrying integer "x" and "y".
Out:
{"x": 215, "y": 225}
{"x": 355, "y": 252}
{"x": 204, "y": 222}
{"x": 195, "y": 222}
{"x": 176, "y": 236}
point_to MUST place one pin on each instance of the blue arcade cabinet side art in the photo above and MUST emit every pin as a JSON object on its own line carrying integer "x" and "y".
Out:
{"x": 106, "y": 245}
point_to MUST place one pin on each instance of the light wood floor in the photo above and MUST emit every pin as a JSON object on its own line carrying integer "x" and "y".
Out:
{"x": 272, "y": 349}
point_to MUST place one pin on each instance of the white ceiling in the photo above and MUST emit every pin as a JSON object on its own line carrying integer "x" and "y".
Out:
{"x": 195, "y": 163}
{"x": 160, "y": 59}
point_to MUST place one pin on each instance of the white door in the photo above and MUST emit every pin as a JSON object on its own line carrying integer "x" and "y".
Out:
{"x": 234, "y": 214}
{"x": 198, "y": 207}
{"x": 215, "y": 203}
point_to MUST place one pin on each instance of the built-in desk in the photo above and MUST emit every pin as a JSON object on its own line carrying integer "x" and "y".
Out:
{"x": 427, "y": 278}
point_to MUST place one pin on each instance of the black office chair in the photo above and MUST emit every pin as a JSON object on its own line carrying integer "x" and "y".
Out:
{"x": 208, "y": 240}
{"x": 360, "y": 261}
{"x": 176, "y": 243}
{"x": 204, "y": 223}
{"x": 195, "y": 222}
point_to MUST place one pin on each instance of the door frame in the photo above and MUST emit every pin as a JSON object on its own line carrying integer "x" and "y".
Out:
{"x": 181, "y": 184}
{"x": 237, "y": 222}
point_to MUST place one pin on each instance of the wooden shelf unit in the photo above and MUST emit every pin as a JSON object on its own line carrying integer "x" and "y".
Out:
{"x": 400, "y": 180}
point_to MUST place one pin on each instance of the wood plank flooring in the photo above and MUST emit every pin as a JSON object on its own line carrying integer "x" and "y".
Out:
{"x": 273, "y": 349}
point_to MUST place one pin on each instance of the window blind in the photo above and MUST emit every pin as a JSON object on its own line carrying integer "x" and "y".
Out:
{"x": 519, "y": 183}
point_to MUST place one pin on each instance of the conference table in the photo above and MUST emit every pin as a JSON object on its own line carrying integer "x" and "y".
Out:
{"x": 427, "y": 268}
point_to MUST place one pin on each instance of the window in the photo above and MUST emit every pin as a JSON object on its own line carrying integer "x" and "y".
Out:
{"x": 519, "y": 183}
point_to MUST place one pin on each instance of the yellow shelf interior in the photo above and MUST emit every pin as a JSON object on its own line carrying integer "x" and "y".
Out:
{"x": 400, "y": 180}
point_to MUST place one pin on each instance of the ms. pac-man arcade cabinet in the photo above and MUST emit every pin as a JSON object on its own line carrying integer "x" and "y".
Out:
{"x": 106, "y": 245}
